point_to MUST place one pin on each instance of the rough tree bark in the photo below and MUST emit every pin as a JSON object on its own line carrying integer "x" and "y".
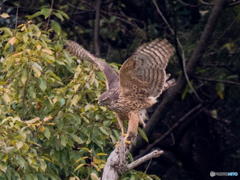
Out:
{"x": 117, "y": 161}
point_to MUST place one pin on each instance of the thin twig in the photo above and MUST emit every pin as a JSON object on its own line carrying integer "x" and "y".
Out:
{"x": 212, "y": 4}
{"x": 234, "y": 3}
{"x": 16, "y": 22}
{"x": 170, "y": 130}
{"x": 218, "y": 81}
{"x": 96, "y": 28}
{"x": 49, "y": 17}
{"x": 153, "y": 154}
{"x": 187, "y": 4}
{"x": 206, "y": 3}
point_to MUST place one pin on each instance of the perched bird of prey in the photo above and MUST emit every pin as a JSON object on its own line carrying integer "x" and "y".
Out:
{"x": 141, "y": 80}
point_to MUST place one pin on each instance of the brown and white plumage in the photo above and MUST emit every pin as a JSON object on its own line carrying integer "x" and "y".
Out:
{"x": 111, "y": 75}
{"x": 141, "y": 80}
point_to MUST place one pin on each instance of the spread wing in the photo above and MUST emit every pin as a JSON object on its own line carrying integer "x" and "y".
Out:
{"x": 144, "y": 72}
{"x": 111, "y": 75}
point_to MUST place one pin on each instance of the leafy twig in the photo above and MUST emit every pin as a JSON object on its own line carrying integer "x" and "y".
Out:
{"x": 49, "y": 17}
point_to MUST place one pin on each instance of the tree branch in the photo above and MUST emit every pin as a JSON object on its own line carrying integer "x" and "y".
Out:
{"x": 117, "y": 161}
{"x": 153, "y": 154}
{"x": 194, "y": 110}
{"x": 217, "y": 81}
{"x": 187, "y": 4}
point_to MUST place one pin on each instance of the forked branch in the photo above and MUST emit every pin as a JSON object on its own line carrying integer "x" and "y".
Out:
{"x": 117, "y": 161}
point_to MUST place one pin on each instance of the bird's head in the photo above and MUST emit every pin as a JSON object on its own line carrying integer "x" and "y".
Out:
{"x": 104, "y": 99}
{"x": 108, "y": 97}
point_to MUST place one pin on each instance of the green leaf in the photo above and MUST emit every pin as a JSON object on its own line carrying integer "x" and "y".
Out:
{"x": 63, "y": 14}
{"x": 21, "y": 162}
{"x": 47, "y": 133}
{"x": 104, "y": 131}
{"x": 34, "y": 15}
{"x": 59, "y": 16}
{"x": 78, "y": 167}
{"x": 143, "y": 134}
{"x": 220, "y": 90}
{"x": 77, "y": 139}
{"x": 3, "y": 167}
{"x": 42, "y": 84}
{"x": 37, "y": 69}
{"x": 56, "y": 27}
{"x": 63, "y": 140}
{"x": 46, "y": 12}
{"x": 24, "y": 76}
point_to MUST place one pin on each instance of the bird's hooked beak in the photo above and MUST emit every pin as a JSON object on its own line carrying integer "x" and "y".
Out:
{"x": 100, "y": 103}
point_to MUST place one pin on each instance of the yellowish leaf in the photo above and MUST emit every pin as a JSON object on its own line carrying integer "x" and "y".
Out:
{"x": 39, "y": 47}
{"x": 101, "y": 154}
{"x": 19, "y": 145}
{"x": 12, "y": 40}
{"x": 34, "y": 120}
{"x": 37, "y": 69}
{"x": 41, "y": 129}
{"x": 79, "y": 166}
{"x": 48, "y": 51}
{"x": 48, "y": 118}
{"x": 17, "y": 54}
{"x": 24, "y": 77}
{"x": 94, "y": 176}
{"x": 74, "y": 178}
{"x": 4, "y": 15}
{"x": 6, "y": 98}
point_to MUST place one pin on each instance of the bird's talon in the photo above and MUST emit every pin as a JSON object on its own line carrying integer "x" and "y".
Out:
{"x": 117, "y": 144}
{"x": 124, "y": 135}
{"x": 127, "y": 142}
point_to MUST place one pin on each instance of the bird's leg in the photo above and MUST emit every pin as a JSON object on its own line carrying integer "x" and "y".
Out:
{"x": 133, "y": 121}
{"x": 120, "y": 118}
{"x": 143, "y": 116}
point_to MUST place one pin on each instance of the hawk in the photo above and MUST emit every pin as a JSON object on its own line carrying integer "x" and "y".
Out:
{"x": 141, "y": 80}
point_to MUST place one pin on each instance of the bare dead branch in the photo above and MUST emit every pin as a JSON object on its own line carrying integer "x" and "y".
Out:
{"x": 218, "y": 81}
{"x": 235, "y": 3}
{"x": 117, "y": 161}
{"x": 187, "y": 4}
{"x": 194, "y": 110}
{"x": 153, "y": 154}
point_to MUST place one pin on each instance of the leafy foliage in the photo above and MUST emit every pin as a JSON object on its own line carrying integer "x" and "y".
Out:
{"x": 51, "y": 125}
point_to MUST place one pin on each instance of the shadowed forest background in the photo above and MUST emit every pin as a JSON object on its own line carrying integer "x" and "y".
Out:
{"x": 51, "y": 126}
